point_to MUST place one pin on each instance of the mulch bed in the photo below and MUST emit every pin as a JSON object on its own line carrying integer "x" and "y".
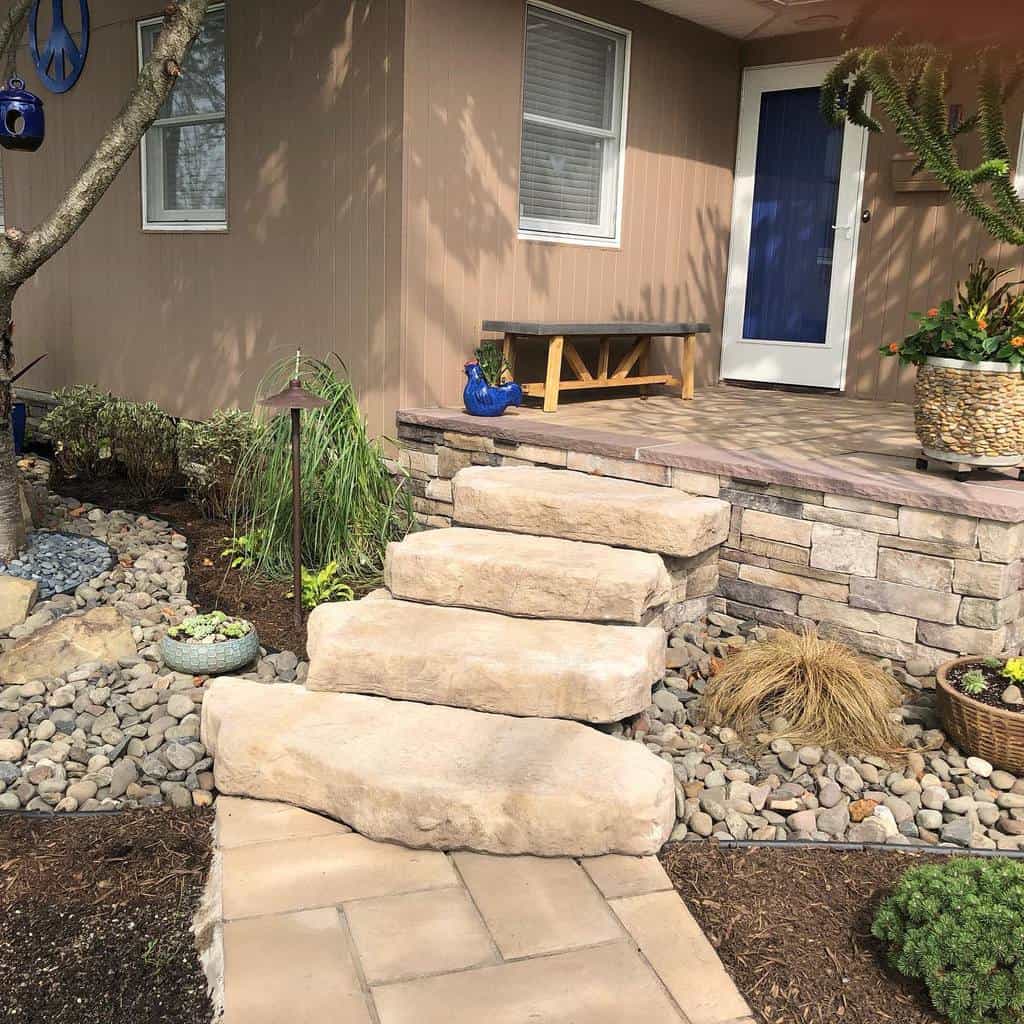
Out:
{"x": 211, "y": 582}
{"x": 96, "y": 912}
{"x": 793, "y": 928}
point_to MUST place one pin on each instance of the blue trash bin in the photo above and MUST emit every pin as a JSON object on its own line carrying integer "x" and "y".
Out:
{"x": 19, "y": 415}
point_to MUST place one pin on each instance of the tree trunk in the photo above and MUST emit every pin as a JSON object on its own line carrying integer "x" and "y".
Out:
{"x": 12, "y": 526}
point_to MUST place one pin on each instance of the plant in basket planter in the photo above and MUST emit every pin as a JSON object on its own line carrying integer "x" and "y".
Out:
{"x": 210, "y": 644}
{"x": 969, "y": 354}
{"x": 487, "y": 393}
{"x": 982, "y": 708}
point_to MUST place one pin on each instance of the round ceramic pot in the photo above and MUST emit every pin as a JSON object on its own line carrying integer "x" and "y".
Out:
{"x": 970, "y": 413}
{"x": 210, "y": 659}
{"x": 976, "y": 728}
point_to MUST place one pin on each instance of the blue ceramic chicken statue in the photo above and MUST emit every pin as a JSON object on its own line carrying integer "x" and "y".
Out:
{"x": 483, "y": 399}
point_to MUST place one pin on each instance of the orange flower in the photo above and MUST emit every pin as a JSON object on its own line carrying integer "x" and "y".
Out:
{"x": 894, "y": 347}
{"x": 1018, "y": 342}
{"x": 934, "y": 311}
{"x": 982, "y": 322}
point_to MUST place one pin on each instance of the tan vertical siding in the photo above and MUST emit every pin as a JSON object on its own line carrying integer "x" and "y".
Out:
{"x": 311, "y": 255}
{"x": 463, "y": 261}
{"x": 914, "y": 250}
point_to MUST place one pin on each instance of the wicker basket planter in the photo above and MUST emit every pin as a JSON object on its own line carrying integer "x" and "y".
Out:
{"x": 977, "y": 728}
{"x": 210, "y": 659}
{"x": 970, "y": 412}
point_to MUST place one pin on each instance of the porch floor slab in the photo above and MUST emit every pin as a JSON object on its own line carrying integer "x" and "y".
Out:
{"x": 479, "y": 938}
{"x": 822, "y": 442}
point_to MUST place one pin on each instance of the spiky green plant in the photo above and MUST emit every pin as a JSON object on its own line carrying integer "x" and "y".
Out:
{"x": 959, "y": 928}
{"x": 909, "y": 81}
{"x": 352, "y": 506}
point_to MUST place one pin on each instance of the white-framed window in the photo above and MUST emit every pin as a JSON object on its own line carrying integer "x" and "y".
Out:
{"x": 184, "y": 167}
{"x": 575, "y": 83}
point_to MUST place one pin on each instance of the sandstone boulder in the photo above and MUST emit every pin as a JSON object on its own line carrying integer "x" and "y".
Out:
{"x": 518, "y": 574}
{"x": 444, "y": 778}
{"x": 17, "y": 596}
{"x": 472, "y": 659}
{"x": 577, "y": 506}
{"x": 100, "y": 634}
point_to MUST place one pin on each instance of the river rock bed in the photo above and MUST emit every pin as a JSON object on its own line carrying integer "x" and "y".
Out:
{"x": 59, "y": 562}
{"x": 104, "y": 736}
{"x": 938, "y": 796}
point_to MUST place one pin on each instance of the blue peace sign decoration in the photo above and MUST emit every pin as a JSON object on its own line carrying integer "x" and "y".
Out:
{"x": 60, "y": 60}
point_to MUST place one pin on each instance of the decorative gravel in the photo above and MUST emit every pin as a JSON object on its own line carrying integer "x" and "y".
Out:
{"x": 60, "y": 562}
{"x": 938, "y": 795}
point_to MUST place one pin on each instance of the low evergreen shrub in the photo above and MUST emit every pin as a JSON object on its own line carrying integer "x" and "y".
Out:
{"x": 79, "y": 427}
{"x": 959, "y": 928}
{"x": 209, "y": 453}
{"x": 144, "y": 440}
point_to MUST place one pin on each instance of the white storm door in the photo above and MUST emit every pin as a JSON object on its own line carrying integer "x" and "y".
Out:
{"x": 796, "y": 218}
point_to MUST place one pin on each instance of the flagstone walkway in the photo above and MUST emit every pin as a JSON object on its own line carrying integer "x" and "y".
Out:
{"x": 321, "y": 924}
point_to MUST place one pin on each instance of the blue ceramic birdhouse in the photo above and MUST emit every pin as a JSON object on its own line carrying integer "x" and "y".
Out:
{"x": 21, "y": 117}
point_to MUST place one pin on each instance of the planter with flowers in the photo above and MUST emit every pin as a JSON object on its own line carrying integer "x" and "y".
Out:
{"x": 211, "y": 644}
{"x": 969, "y": 354}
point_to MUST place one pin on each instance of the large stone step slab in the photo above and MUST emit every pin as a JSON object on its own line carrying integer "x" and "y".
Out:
{"x": 519, "y": 574}
{"x": 577, "y": 506}
{"x": 438, "y": 777}
{"x": 472, "y": 659}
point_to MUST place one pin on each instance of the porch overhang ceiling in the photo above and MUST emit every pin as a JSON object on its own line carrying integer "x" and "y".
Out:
{"x": 759, "y": 19}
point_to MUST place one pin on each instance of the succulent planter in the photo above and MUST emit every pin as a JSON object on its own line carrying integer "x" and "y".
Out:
{"x": 970, "y": 413}
{"x": 977, "y": 728}
{"x": 210, "y": 659}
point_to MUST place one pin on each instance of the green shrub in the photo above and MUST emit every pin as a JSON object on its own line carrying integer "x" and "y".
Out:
{"x": 79, "y": 427}
{"x": 209, "y": 453}
{"x": 144, "y": 440}
{"x": 351, "y": 505}
{"x": 959, "y": 928}
{"x": 322, "y": 586}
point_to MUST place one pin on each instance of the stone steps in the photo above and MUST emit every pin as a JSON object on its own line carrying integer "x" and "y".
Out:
{"x": 577, "y": 506}
{"x": 439, "y": 777}
{"x": 524, "y": 575}
{"x": 475, "y": 659}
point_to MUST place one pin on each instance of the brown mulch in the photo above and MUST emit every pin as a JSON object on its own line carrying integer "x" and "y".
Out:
{"x": 96, "y": 913}
{"x": 793, "y": 928}
{"x": 211, "y": 582}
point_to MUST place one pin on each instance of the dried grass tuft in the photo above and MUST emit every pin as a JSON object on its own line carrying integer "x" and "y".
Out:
{"x": 831, "y": 696}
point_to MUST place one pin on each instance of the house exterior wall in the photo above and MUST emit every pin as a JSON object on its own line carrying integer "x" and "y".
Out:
{"x": 311, "y": 257}
{"x": 463, "y": 260}
{"x": 916, "y": 246}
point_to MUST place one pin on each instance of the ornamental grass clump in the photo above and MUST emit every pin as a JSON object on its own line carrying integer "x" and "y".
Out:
{"x": 829, "y": 695}
{"x": 959, "y": 928}
{"x": 352, "y": 506}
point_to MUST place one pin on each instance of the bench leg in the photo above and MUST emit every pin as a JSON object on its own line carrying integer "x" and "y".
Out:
{"x": 554, "y": 374}
{"x": 643, "y": 367}
{"x": 686, "y": 366}
{"x": 509, "y": 356}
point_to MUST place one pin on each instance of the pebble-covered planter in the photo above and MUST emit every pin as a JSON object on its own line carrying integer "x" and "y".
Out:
{"x": 970, "y": 412}
{"x": 210, "y": 659}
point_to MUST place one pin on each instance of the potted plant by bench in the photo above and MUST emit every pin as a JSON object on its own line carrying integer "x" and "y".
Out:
{"x": 487, "y": 392}
{"x": 969, "y": 393}
{"x": 205, "y": 645}
{"x": 982, "y": 708}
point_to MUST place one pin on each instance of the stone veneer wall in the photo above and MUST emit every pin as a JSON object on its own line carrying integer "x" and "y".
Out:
{"x": 910, "y": 584}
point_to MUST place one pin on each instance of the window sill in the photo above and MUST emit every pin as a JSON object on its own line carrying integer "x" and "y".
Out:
{"x": 184, "y": 229}
{"x": 584, "y": 240}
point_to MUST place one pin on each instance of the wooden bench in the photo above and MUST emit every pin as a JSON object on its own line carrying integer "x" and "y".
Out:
{"x": 559, "y": 337}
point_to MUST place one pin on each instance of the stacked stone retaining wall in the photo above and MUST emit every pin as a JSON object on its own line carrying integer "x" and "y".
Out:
{"x": 915, "y": 585}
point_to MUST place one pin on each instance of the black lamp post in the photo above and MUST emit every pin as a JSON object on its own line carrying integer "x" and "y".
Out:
{"x": 295, "y": 398}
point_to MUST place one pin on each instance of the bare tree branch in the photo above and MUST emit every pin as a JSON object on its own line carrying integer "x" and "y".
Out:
{"x": 22, "y": 254}
{"x": 10, "y": 31}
